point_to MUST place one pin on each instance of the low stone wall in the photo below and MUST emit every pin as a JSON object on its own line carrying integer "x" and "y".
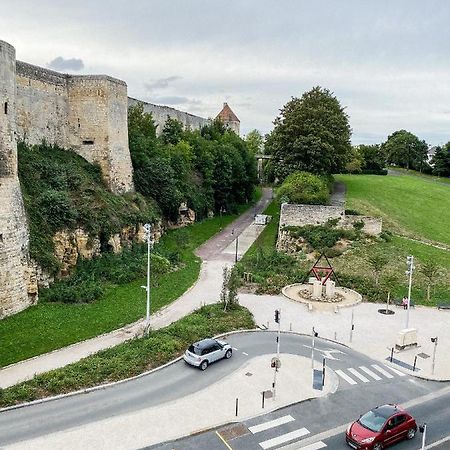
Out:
{"x": 372, "y": 225}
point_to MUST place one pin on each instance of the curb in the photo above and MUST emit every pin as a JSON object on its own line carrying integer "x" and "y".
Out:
{"x": 143, "y": 374}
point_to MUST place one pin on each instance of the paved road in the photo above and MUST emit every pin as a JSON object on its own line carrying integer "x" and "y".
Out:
{"x": 179, "y": 380}
{"x": 321, "y": 422}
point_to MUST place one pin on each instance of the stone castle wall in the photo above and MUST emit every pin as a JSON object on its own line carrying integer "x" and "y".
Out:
{"x": 160, "y": 114}
{"x": 14, "y": 274}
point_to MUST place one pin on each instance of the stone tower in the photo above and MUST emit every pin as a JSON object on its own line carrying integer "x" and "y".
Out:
{"x": 229, "y": 118}
{"x": 13, "y": 225}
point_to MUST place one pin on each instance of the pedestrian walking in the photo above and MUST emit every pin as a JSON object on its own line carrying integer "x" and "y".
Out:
{"x": 405, "y": 302}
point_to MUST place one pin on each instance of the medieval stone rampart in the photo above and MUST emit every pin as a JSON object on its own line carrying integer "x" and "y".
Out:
{"x": 161, "y": 113}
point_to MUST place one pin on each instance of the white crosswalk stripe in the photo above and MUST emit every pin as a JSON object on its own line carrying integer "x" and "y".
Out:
{"x": 382, "y": 371}
{"x": 315, "y": 446}
{"x": 400, "y": 374}
{"x": 345, "y": 377}
{"x": 370, "y": 373}
{"x": 284, "y": 438}
{"x": 271, "y": 424}
{"x": 358, "y": 375}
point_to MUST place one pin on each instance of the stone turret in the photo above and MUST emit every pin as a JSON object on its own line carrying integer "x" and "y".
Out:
{"x": 229, "y": 118}
{"x": 13, "y": 226}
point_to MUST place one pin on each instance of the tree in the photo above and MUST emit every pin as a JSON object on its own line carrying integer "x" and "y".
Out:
{"x": 312, "y": 134}
{"x": 377, "y": 262}
{"x": 228, "y": 294}
{"x": 430, "y": 270}
{"x": 305, "y": 188}
{"x": 372, "y": 157}
{"x": 255, "y": 142}
{"x": 172, "y": 131}
{"x": 404, "y": 149}
{"x": 441, "y": 161}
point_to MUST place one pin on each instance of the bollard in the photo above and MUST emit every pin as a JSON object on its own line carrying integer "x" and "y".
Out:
{"x": 415, "y": 361}
{"x": 290, "y": 326}
{"x": 335, "y": 336}
{"x": 392, "y": 354}
{"x": 323, "y": 372}
{"x": 237, "y": 406}
{"x": 262, "y": 399}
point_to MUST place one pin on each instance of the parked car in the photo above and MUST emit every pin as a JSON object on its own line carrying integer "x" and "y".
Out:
{"x": 381, "y": 427}
{"x": 203, "y": 353}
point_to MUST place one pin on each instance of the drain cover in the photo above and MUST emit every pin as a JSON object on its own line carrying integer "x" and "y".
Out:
{"x": 423, "y": 355}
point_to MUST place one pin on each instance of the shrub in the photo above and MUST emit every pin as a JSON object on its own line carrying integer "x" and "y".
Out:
{"x": 305, "y": 188}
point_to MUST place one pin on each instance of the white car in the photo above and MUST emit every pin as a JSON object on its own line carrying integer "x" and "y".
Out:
{"x": 203, "y": 353}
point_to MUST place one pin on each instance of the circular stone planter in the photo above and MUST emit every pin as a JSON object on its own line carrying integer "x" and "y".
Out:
{"x": 349, "y": 296}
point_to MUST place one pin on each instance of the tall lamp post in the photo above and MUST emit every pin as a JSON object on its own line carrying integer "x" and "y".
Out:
{"x": 236, "y": 248}
{"x": 148, "y": 229}
{"x": 409, "y": 272}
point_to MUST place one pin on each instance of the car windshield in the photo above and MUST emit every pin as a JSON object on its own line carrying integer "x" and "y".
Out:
{"x": 195, "y": 350}
{"x": 372, "y": 421}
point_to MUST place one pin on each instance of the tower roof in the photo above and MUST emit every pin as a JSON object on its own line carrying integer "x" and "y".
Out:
{"x": 227, "y": 115}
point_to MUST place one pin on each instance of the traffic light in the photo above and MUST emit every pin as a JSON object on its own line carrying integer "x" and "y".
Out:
{"x": 277, "y": 316}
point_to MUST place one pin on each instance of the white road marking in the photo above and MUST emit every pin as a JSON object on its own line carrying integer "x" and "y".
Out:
{"x": 315, "y": 446}
{"x": 246, "y": 354}
{"x": 435, "y": 444}
{"x": 284, "y": 438}
{"x": 234, "y": 348}
{"x": 345, "y": 377}
{"x": 358, "y": 375}
{"x": 369, "y": 372}
{"x": 271, "y": 424}
{"x": 400, "y": 374}
{"x": 382, "y": 371}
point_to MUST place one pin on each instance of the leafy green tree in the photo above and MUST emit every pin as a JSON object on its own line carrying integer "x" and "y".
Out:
{"x": 404, "y": 149}
{"x": 355, "y": 161}
{"x": 172, "y": 132}
{"x": 304, "y": 187}
{"x": 441, "y": 161}
{"x": 431, "y": 271}
{"x": 377, "y": 262}
{"x": 255, "y": 142}
{"x": 372, "y": 157}
{"x": 312, "y": 133}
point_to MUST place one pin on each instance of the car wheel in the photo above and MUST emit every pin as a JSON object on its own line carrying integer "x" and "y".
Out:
{"x": 377, "y": 446}
{"x": 204, "y": 365}
{"x": 411, "y": 433}
{"x": 228, "y": 353}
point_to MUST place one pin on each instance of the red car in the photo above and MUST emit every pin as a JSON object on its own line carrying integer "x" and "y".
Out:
{"x": 381, "y": 427}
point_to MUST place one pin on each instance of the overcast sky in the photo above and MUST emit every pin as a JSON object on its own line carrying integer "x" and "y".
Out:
{"x": 387, "y": 61}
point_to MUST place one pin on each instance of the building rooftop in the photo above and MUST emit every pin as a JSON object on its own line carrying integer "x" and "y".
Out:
{"x": 227, "y": 115}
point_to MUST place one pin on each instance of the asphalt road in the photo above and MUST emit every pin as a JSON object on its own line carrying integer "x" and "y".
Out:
{"x": 178, "y": 380}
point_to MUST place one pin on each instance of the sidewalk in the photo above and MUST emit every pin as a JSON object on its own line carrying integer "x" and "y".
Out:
{"x": 374, "y": 334}
{"x": 216, "y": 253}
{"x": 215, "y": 406}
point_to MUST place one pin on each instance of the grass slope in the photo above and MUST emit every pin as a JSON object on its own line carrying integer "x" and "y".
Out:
{"x": 49, "y": 326}
{"x": 408, "y": 204}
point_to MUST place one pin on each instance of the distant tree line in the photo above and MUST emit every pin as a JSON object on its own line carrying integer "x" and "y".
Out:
{"x": 211, "y": 169}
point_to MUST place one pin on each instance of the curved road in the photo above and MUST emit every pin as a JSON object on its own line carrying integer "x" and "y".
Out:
{"x": 178, "y": 380}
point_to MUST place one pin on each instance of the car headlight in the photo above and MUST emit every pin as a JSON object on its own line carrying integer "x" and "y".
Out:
{"x": 367, "y": 440}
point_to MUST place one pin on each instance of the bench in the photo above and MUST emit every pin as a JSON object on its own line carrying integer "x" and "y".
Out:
{"x": 444, "y": 306}
{"x": 400, "y": 304}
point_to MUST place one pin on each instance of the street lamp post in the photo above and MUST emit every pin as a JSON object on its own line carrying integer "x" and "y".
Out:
{"x": 237, "y": 244}
{"x": 435, "y": 342}
{"x": 409, "y": 272}
{"x": 148, "y": 228}
{"x": 313, "y": 336}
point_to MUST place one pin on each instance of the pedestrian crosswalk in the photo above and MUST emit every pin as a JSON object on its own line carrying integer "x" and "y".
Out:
{"x": 283, "y": 437}
{"x": 363, "y": 374}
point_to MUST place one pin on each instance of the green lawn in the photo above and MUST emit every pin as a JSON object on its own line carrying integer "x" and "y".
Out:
{"x": 409, "y": 205}
{"x": 49, "y": 326}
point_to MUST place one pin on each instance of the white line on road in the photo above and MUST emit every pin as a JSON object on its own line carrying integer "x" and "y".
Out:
{"x": 400, "y": 374}
{"x": 435, "y": 444}
{"x": 315, "y": 446}
{"x": 246, "y": 354}
{"x": 358, "y": 375}
{"x": 382, "y": 371}
{"x": 234, "y": 348}
{"x": 271, "y": 424}
{"x": 369, "y": 372}
{"x": 345, "y": 377}
{"x": 284, "y": 438}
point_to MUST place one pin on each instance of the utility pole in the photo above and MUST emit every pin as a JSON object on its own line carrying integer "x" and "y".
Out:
{"x": 148, "y": 228}
{"x": 435, "y": 341}
{"x": 410, "y": 264}
{"x": 278, "y": 321}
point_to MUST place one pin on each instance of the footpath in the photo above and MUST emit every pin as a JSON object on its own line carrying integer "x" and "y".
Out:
{"x": 216, "y": 253}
